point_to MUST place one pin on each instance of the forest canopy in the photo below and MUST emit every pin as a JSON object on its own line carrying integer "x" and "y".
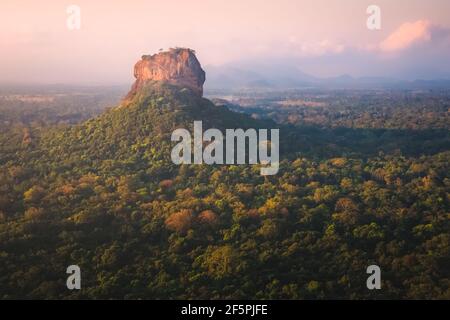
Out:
{"x": 104, "y": 195}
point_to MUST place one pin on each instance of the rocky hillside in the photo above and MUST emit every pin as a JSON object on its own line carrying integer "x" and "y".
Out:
{"x": 178, "y": 67}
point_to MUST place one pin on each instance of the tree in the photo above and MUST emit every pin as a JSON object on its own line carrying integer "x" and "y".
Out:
{"x": 180, "y": 221}
{"x": 208, "y": 217}
{"x": 34, "y": 194}
{"x": 221, "y": 261}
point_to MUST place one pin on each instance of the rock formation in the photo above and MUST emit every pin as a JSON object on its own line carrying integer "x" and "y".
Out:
{"x": 178, "y": 67}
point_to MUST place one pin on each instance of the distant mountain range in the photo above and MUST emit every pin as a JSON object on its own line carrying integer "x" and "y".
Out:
{"x": 230, "y": 77}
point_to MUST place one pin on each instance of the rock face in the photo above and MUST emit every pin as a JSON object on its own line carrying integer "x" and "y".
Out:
{"x": 178, "y": 67}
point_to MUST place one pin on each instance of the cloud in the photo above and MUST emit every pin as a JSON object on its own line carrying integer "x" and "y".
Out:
{"x": 321, "y": 48}
{"x": 314, "y": 48}
{"x": 406, "y": 35}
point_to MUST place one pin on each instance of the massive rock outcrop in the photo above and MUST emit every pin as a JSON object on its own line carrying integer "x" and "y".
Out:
{"x": 178, "y": 67}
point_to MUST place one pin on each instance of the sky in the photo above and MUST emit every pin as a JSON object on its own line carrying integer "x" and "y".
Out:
{"x": 322, "y": 38}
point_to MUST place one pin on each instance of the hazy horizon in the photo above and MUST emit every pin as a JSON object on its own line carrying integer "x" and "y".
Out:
{"x": 320, "y": 38}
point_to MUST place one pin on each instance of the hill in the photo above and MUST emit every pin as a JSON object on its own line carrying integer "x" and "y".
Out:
{"x": 104, "y": 195}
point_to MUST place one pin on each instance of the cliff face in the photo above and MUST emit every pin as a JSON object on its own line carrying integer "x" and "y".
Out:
{"x": 178, "y": 67}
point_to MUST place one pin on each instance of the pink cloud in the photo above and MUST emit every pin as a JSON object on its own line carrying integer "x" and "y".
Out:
{"x": 407, "y": 35}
